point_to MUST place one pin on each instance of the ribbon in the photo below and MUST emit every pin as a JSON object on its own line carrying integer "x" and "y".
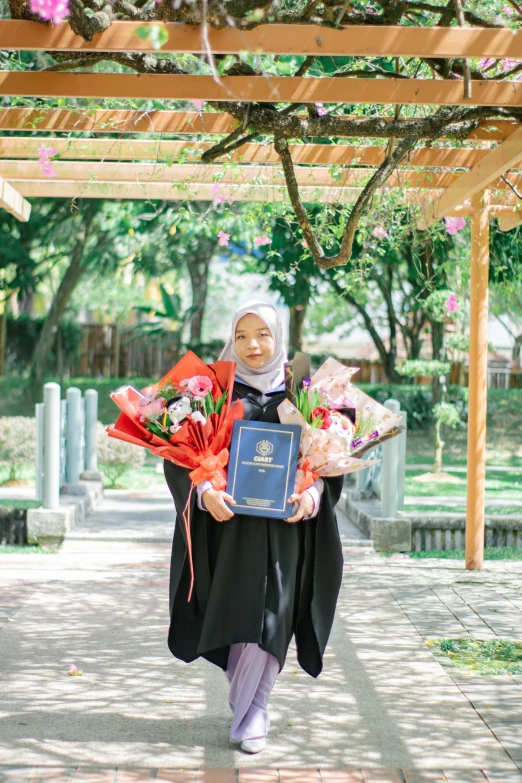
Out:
{"x": 211, "y": 469}
{"x": 186, "y": 522}
{"x": 304, "y": 477}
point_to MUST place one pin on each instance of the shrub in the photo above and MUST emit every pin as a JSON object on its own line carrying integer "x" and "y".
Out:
{"x": 115, "y": 456}
{"x": 17, "y": 442}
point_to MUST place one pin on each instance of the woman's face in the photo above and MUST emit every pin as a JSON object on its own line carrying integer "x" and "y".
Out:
{"x": 254, "y": 342}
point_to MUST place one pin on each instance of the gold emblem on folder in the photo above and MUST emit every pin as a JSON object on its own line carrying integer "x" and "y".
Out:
{"x": 264, "y": 447}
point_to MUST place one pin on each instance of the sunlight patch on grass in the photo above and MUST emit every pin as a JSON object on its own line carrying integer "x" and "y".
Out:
{"x": 476, "y": 656}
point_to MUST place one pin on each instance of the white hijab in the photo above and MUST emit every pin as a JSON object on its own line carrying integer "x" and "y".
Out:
{"x": 272, "y": 374}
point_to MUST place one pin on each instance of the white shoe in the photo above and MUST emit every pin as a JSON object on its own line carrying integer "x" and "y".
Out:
{"x": 253, "y": 745}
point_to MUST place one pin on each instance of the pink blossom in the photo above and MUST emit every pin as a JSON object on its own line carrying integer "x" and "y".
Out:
{"x": 508, "y": 64}
{"x": 73, "y": 667}
{"x": 53, "y": 11}
{"x": 485, "y": 62}
{"x": 199, "y": 385}
{"x": 48, "y": 170}
{"x": 321, "y": 111}
{"x": 198, "y": 104}
{"x": 221, "y": 198}
{"x": 507, "y": 10}
{"x": 264, "y": 240}
{"x": 454, "y": 224}
{"x": 452, "y": 303}
{"x": 223, "y": 238}
{"x": 380, "y": 233}
{"x": 304, "y": 243}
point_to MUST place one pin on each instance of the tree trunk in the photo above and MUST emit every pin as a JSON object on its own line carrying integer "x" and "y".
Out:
{"x": 3, "y": 336}
{"x": 296, "y": 328}
{"x": 437, "y": 346}
{"x": 60, "y": 301}
{"x": 517, "y": 350}
{"x": 198, "y": 270}
{"x": 439, "y": 445}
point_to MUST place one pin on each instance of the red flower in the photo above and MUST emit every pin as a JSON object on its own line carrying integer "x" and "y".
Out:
{"x": 325, "y": 413}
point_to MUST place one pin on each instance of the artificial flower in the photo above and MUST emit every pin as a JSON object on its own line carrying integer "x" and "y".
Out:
{"x": 326, "y": 419}
{"x": 199, "y": 385}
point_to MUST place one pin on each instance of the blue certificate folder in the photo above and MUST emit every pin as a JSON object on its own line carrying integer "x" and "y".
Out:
{"x": 262, "y": 467}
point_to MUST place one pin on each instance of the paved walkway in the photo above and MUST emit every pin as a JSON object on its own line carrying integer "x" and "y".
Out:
{"x": 383, "y": 710}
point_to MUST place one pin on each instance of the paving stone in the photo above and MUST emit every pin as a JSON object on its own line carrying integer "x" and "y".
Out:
{"x": 340, "y": 776}
{"x": 216, "y": 776}
{"x": 503, "y": 776}
{"x": 12, "y": 774}
{"x": 54, "y": 775}
{"x": 382, "y": 776}
{"x": 93, "y": 775}
{"x": 424, "y": 776}
{"x": 258, "y": 776}
{"x": 135, "y": 776}
{"x": 176, "y": 776}
{"x": 299, "y": 776}
{"x": 465, "y": 776}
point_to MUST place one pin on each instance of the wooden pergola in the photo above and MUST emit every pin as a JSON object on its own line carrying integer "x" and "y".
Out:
{"x": 477, "y": 179}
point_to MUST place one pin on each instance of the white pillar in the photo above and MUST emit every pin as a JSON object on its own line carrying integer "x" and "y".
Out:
{"x": 73, "y": 435}
{"x": 390, "y": 469}
{"x": 51, "y": 479}
{"x": 39, "y": 457}
{"x": 402, "y": 459}
{"x": 91, "y": 417}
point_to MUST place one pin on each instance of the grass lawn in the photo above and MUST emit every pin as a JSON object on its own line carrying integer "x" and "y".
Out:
{"x": 490, "y": 553}
{"x": 499, "y": 484}
{"x": 26, "y": 549}
{"x": 13, "y": 503}
{"x": 491, "y": 656}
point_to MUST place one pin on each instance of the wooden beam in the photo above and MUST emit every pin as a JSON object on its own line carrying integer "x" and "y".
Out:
{"x": 166, "y": 191}
{"x": 299, "y": 39}
{"x": 478, "y": 382}
{"x": 510, "y": 220}
{"x": 13, "y": 202}
{"x": 485, "y": 172}
{"x": 432, "y": 92}
{"x": 169, "y": 150}
{"x": 317, "y": 176}
{"x": 179, "y": 122}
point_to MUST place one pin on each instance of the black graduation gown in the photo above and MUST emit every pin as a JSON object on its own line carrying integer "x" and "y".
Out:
{"x": 257, "y": 579}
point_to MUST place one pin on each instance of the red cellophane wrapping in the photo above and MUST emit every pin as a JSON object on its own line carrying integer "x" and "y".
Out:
{"x": 201, "y": 448}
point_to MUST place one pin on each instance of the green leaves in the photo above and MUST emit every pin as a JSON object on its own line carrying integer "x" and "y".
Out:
{"x": 157, "y": 34}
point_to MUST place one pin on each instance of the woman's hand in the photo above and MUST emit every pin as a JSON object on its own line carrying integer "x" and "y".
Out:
{"x": 214, "y": 500}
{"x": 306, "y": 506}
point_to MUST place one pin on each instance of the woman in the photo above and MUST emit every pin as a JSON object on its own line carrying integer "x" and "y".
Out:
{"x": 258, "y": 581}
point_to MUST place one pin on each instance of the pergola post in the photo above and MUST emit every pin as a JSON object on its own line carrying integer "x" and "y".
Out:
{"x": 478, "y": 377}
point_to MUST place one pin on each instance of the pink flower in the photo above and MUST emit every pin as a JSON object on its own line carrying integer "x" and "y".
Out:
{"x": 54, "y": 11}
{"x": 321, "y": 111}
{"x": 223, "y": 238}
{"x": 304, "y": 243}
{"x": 199, "y": 385}
{"x": 264, "y": 240}
{"x": 73, "y": 667}
{"x": 47, "y": 169}
{"x": 507, "y": 10}
{"x": 454, "y": 224}
{"x": 198, "y": 104}
{"x": 219, "y": 197}
{"x": 326, "y": 418}
{"x": 452, "y": 303}
{"x": 485, "y": 62}
{"x": 380, "y": 233}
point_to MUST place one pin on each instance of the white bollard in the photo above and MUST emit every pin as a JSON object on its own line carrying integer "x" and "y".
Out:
{"x": 51, "y": 478}
{"x": 91, "y": 417}
{"x": 402, "y": 458}
{"x": 73, "y": 435}
{"x": 39, "y": 457}
{"x": 390, "y": 469}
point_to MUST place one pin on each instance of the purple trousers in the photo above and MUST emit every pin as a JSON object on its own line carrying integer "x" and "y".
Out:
{"x": 252, "y": 673}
